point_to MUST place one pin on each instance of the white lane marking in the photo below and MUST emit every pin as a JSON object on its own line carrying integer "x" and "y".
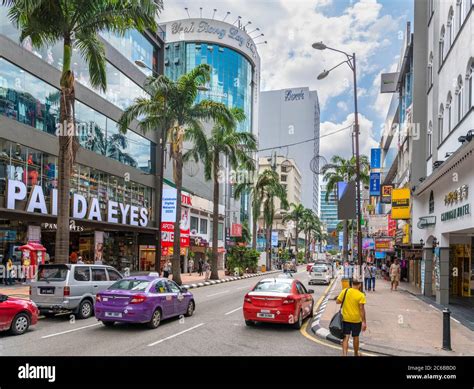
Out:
{"x": 175, "y": 335}
{"x": 66, "y": 332}
{"x": 215, "y": 294}
{"x": 457, "y": 321}
{"x": 234, "y": 310}
{"x": 244, "y": 287}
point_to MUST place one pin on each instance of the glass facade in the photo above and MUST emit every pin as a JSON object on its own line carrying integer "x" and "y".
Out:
{"x": 134, "y": 46}
{"x": 121, "y": 90}
{"x": 31, "y": 101}
{"x": 34, "y": 167}
{"x": 231, "y": 77}
{"x": 329, "y": 210}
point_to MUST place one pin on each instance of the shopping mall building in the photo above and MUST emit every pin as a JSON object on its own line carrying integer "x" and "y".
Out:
{"x": 113, "y": 184}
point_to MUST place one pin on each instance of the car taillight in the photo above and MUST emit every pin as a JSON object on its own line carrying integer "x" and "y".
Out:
{"x": 138, "y": 299}
{"x": 66, "y": 291}
{"x": 248, "y": 299}
{"x": 288, "y": 301}
{"x": 98, "y": 298}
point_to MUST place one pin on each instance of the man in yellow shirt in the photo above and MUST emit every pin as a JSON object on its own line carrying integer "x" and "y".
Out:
{"x": 353, "y": 315}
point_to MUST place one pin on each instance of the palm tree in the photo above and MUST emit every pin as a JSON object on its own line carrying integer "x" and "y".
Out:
{"x": 172, "y": 108}
{"x": 267, "y": 189}
{"x": 224, "y": 141}
{"x": 296, "y": 214}
{"x": 311, "y": 226}
{"x": 341, "y": 169}
{"x": 76, "y": 24}
{"x": 256, "y": 204}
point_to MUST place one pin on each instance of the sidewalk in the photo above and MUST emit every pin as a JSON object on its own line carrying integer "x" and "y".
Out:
{"x": 401, "y": 324}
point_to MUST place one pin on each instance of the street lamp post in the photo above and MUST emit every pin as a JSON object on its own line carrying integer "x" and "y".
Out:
{"x": 351, "y": 61}
{"x": 158, "y": 181}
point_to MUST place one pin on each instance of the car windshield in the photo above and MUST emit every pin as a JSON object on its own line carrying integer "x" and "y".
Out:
{"x": 273, "y": 286}
{"x": 320, "y": 268}
{"x": 130, "y": 285}
{"x": 52, "y": 272}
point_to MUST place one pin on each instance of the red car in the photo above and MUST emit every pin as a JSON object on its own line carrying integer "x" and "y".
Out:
{"x": 17, "y": 314}
{"x": 278, "y": 300}
{"x": 309, "y": 266}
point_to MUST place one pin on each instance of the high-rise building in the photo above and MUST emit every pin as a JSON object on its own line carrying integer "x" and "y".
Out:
{"x": 289, "y": 125}
{"x": 328, "y": 210}
{"x": 442, "y": 211}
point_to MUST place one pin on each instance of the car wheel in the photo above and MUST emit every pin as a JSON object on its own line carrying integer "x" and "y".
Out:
{"x": 250, "y": 323}
{"x": 299, "y": 323}
{"x": 108, "y": 323}
{"x": 20, "y": 324}
{"x": 85, "y": 309}
{"x": 190, "y": 310}
{"x": 155, "y": 319}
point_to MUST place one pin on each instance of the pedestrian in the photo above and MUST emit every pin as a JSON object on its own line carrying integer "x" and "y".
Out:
{"x": 191, "y": 266}
{"x": 395, "y": 274}
{"x": 207, "y": 270}
{"x": 80, "y": 261}
{"x": 373, "y": 274}
{"x": 10, "y": 272}
{"x": 73, "y": 257}
{"x": 200, "y": 266}
{"x": 367, "y": 276}
{"x": 167, "y": 269}
{"x": 353, "y": 315}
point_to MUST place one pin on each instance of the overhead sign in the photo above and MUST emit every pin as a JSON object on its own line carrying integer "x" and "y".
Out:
{"x": 368, "y": 244}
{"x": 375, "y": 158}
{"x": 392, "y": 226}
{"x": 375, "y": 184}
{"x": 386, "y": 194}
{"x": 388, "y": 82}
{"x": 384, "y": 244}
{"x": 401, "y": 204}
{"x": 378, "y": 225}
{"x": 346, "y": 200}
{"x": 81, "y": 208}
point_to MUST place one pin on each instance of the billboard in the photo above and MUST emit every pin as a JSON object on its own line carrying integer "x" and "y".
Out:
{"x": 274, "y": 238}
{"x": 375, "y": 184}
{"x": 236, "y": 230}
{"x": 401, "y": 203}
{"x": 386, "y": 194}
{"x": 368, "y": 244}
{"x": 378, "y": 225}
{"x": 384, "y": 244}
{"x": 346, "y": 200}
{"x": 375, "y": 158}
{"x": 388, "y": 82}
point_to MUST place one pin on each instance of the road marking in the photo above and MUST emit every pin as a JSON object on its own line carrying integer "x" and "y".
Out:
{"x": 244, "y": 287}
{"x": 66, "y": 332}
{"x": 175, "y": 335}
{"x": 234, "y": 310}
{"x": 215, "y": 294}
{"x": 457, "y": 321}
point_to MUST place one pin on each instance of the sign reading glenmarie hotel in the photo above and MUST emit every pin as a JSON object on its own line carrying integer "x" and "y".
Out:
{"x": 81, "y": 208}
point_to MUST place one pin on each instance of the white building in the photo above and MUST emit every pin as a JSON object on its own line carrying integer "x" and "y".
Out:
{"x": 442, "y": 214}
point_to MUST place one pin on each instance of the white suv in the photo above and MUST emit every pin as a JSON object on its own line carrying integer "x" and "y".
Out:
{"x": 320, "y": 273}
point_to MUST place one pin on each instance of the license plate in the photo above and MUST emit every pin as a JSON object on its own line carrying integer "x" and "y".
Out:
{"x": 47, "y": 290}
{"x": 317, "y": 274}
{"x": 113, "y": 314}
{"x": 266, "y": 315}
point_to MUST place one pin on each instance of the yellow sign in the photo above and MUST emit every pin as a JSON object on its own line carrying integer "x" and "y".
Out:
{"x": 401, "y": 203}
{"x": 406, "y": 234}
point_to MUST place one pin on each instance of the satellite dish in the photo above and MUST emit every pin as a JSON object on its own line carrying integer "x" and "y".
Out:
{"x": 191, "y": 168}
{"x": 317, "y": 164}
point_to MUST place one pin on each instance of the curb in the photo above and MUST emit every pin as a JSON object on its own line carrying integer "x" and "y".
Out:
{"x": 230, "y": 279}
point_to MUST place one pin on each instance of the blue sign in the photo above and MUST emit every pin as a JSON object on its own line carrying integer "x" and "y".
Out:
{"x": 380, "y": 254}
{"x": 261, "y": 244}
{"x": 274, "y": 238}
{"x": 375, "y": 184}
{"x": 341, "y": 240}
{"x": 375, "y": 158}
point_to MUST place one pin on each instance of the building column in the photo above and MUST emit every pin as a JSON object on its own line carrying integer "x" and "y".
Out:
{"x": 442, "y": 293}
{"x": 427, "y": 286}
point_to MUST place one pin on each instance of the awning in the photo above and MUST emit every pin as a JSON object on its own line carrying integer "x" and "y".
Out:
{"x": 33, "y": 247}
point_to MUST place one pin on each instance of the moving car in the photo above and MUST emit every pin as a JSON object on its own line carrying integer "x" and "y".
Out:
{"x": 143, "y": 299}
{"x": 71, "y": 287}
{"x": 309, "y": 266}
{"x": 16, "y": 314}
{"x": 278, "y": 300}
{"x": 320, "y": 273}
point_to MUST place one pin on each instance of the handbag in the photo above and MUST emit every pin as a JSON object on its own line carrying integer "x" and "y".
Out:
{"x": 335, "y": 326}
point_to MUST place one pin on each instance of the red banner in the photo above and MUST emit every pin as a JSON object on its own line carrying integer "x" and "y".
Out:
{"x": 236, "y": 230}
{"x": 392, "y": 226}
{"x": 167, "y": 235}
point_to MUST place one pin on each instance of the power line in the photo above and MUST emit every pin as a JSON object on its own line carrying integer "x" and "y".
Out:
{"x": 308, "y": 140}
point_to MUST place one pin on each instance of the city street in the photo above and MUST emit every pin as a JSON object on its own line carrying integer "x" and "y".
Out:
{"x": 216, "y": 328}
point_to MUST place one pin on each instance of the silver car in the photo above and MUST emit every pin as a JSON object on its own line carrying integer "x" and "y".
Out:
{"x": 71, "y": 287}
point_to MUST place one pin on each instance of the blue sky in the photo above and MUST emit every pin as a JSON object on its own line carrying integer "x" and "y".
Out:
{"x": 372, "y": 28}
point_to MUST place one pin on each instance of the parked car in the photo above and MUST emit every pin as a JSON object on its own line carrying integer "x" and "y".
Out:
{"x": 320, "y": 273}
{"x": 278, "y": 300}
{"x": 71, "y": 287}
{"x": 143, "y": 299}
{"x": 16, "y": 314}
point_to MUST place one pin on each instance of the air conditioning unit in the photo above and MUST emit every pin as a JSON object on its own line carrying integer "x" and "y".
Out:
{"x": 437, "y": 164}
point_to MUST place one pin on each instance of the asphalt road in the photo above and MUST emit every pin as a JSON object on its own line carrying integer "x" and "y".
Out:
{"x": 216, "y": 328}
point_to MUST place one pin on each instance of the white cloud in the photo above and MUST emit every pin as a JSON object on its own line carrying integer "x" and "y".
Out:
{"x": 340, "y": 143}
{"x": 342, "y": 105}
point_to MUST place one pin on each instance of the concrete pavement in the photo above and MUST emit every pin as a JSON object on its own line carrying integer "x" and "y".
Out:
{"x": 217, "y": 328}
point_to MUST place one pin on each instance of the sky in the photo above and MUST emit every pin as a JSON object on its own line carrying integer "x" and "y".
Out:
{"x": 373, "y": 29}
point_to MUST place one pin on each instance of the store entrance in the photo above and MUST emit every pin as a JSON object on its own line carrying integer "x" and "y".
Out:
{"x": 460, "y": 278}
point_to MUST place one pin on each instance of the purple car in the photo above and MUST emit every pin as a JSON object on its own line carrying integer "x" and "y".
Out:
{"x": 143, "y": 299}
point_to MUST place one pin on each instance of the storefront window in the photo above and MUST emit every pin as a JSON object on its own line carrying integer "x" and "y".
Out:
{"x": 33, "y": 167}
{"x": 31, "y": 101}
